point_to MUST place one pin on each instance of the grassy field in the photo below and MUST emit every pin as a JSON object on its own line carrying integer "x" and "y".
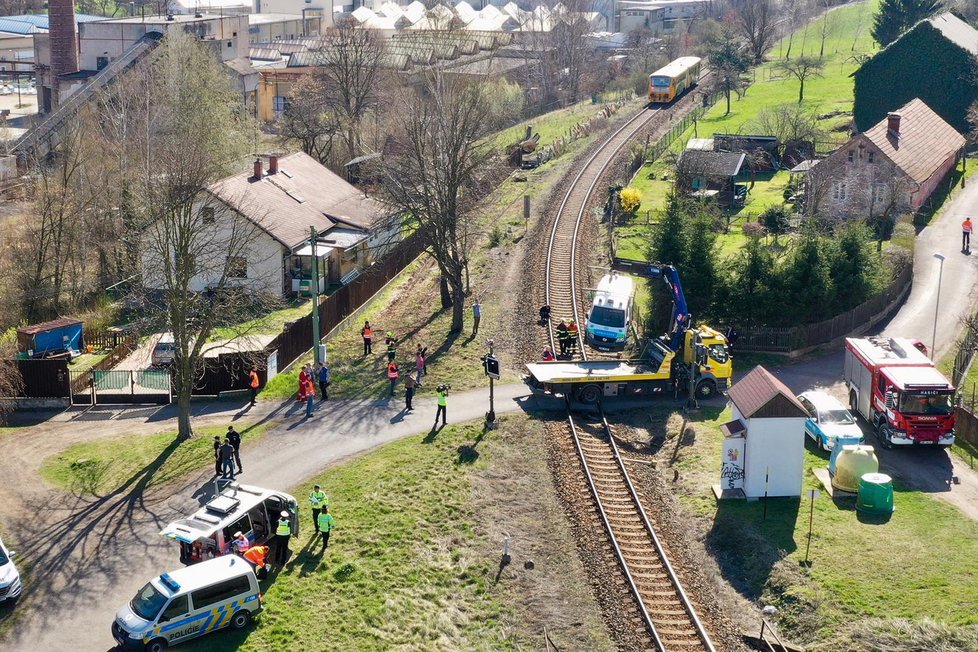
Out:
{"x": 552, "y": 125}
{"x": 861, "y": 569}
{"x": 270, "y": 324}
{"x": 103, "y": 466}
{"x": 414, "y": 561}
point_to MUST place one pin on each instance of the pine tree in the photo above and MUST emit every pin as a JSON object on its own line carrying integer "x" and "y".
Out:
{"x": 897, "y": 16}
{"x": 808, "y": 279}
{"x": 853, "y": 267}
{"x": 699, "y": 274}
{"x": 668, "y": 239}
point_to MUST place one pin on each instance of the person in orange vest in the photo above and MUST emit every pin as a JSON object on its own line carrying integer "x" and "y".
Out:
{"x": 310, "y": 394}
{"x": 257, "y": 556}
{"x": 392, "y": 374}
{"x": 966, "y": 235}
{"x": 368, "y": 337}
{"x": 253, "y": 384}
{"x": 572, "y": 335}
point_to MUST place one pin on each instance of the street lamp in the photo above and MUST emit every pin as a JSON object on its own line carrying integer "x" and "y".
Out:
{"x": 937, "y": 305}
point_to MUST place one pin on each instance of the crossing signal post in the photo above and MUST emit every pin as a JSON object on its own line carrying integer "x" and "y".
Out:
{"x": 491, "y": 366}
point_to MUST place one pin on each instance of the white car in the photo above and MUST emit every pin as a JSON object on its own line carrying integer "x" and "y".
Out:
{"x": 828, "y": 420}
{"x": 10, "y": 586}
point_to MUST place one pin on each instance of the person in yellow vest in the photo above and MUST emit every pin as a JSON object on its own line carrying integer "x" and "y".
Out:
{"x": 283, "y": 532}
{"x": 966, "y": 234}
{"x": 318, "y": 500}
{"x": 325, "y": 524}
{"x": 442, "y": 405}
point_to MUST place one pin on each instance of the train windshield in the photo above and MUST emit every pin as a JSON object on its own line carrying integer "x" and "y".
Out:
{"x": 923, "y": 404}
{"x": 608, "y": 317}
{"x": 658, "y": 80}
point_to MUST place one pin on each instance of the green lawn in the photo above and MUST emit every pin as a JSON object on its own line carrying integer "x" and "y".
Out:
{"x": 411, "y": 565}
{"x": 86, "y": 361}
{"x": 554, "y": 124}
{"x": 101, "y": 467}
{"x": 270, "y": 324}
{"x": 861, "y": 569}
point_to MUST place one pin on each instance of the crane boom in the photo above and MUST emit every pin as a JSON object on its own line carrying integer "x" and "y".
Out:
{"x": 681, "y": 319}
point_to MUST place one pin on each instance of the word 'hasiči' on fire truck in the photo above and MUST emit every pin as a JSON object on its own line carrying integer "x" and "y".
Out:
{"x": 898, "y": 390}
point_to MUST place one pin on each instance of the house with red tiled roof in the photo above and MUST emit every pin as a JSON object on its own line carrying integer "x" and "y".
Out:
{"x": 274, "y": 208}
{"x": 892, "y": 168}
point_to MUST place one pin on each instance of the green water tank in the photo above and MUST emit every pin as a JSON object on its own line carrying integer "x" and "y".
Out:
{"x": 875, "y": 494}
{"x": 853, "y": 462}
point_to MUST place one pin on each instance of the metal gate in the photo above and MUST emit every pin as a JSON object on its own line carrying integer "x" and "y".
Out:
{"x": 113, "y": 387}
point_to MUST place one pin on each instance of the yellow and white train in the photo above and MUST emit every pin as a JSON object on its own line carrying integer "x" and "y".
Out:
{"x": 671, "y": 81}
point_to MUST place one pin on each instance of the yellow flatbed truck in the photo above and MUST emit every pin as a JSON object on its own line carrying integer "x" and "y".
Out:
{"x": 589, "y": 381}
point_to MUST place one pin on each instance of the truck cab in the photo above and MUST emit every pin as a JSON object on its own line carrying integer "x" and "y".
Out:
{"x": 715, "y": 363}
{"x": 253, "y": 511}
{"x": 900, "y": 392}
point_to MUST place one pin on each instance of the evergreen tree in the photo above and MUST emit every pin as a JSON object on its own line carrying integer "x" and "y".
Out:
{"x": 728, "y": 61}
{"x": 897, "y": 16}
{"x": 853, "y": 267}
{"x": 808, "y": 279}
{"x": 668, "y": 247}
{"x": 742, "y": 297}
{"x": 699, "y": 274}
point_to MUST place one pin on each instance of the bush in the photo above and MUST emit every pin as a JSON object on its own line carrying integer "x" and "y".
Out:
{"x": 631, "y": 200}
{"x": 775, "y": 220}
{"x": 754, "y": 230}
{"x": 495, "y": 236}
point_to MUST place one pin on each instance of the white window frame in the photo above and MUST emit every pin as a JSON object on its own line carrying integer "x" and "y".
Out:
{"x": 839, "y": 190}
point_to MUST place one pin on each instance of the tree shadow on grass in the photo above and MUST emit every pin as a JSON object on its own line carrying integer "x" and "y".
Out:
{"x": 79, "y": 538}
{"x": 468, "y": 453}
{"x": 746, "y": 545}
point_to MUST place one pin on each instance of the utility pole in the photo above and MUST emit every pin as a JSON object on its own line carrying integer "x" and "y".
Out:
{"x": 313, "y": 236}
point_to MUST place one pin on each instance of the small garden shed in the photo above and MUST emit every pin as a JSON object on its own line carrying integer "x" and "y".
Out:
{"x": 766, "y": 437}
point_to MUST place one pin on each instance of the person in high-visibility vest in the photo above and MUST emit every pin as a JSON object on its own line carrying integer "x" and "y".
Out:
{"x": 283, "y": 532}
{"x": 318, "y": 500}
{"x": 325, "y": 524}
{"x": 442, "y": 405}
{"x": 253, "y": 384}
{"x": 561, "y": 332}
{"x": 257, "y": 556}
{"x": 572, "y": 335}
{"x": 391, "y": 346}
{"x": 393, "y": 373}
{"x": 368, "y": 337}
{"x": 966, "y": 234}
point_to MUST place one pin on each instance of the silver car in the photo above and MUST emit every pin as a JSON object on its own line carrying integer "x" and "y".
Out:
{"x": 10, "y": 585}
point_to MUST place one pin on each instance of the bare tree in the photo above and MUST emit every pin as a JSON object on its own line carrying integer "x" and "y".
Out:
{"x": 307, "y": 122}
{"x": 190, "y": 131}
{"x": 757, "y": 21}
{"x": 727, "y": 61}
{"x": 826, "y": 27}
{"x": 802, "y": 68}
{"x": 792, "y": 125}
{"x": 439, "y": 172}
{"x": 350, "y": 66}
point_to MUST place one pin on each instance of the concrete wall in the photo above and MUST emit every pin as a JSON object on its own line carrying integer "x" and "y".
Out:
{"x": 322, "y": 8}
{"x": 287, "y": 28}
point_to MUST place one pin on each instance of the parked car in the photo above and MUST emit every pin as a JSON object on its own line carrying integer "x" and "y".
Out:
{"x": 828, "y": 420}
{"x": 10, "y": 585}
{"x": 163, "y": 351}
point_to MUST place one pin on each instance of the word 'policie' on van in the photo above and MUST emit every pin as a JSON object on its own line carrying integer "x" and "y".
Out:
{"x": 187, "y": 603}
{"x": 611, "y": 313}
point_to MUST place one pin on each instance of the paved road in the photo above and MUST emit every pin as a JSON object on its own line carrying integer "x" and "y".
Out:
{"x": 90, "y": 556}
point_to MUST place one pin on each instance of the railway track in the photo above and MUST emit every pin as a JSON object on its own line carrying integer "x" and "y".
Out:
{"x": 665, "y": 611}
{"x": 666, "y": 616}
{"x": 562, "y": 291}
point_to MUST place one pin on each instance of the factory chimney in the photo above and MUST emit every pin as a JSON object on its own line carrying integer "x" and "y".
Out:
{"x": 63, "y": 39}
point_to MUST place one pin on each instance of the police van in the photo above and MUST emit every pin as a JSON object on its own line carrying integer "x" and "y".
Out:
{"x": 253, "y": 511}
{"x": 611, "y": 313}
{"x": 187, "y": 603}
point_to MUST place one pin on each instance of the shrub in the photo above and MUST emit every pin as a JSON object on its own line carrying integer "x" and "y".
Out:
{"x": 775, "y": 220}
{"x": 495, "y": 236}
{"x": 754, "y": 230}
{"x": 631, "y": 200}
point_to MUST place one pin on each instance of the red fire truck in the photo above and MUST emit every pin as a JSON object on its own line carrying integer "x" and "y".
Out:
{"x": 897, "y": 389}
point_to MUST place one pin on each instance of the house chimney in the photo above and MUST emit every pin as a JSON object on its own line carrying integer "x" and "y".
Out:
{"x": 257, "y": 175}
{"x": 893, "y": 123}
{"x": 273, "y": 164}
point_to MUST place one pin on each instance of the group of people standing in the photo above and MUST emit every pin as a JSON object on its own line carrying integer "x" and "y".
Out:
{"x": 227, "y": 453}
{"x": 567, "y": 335}
{"x": 309, "y": 377}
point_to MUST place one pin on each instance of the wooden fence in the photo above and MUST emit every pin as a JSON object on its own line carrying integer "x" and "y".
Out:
{"x": 801, "y": 339}
{"x": 296, "y": 339}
